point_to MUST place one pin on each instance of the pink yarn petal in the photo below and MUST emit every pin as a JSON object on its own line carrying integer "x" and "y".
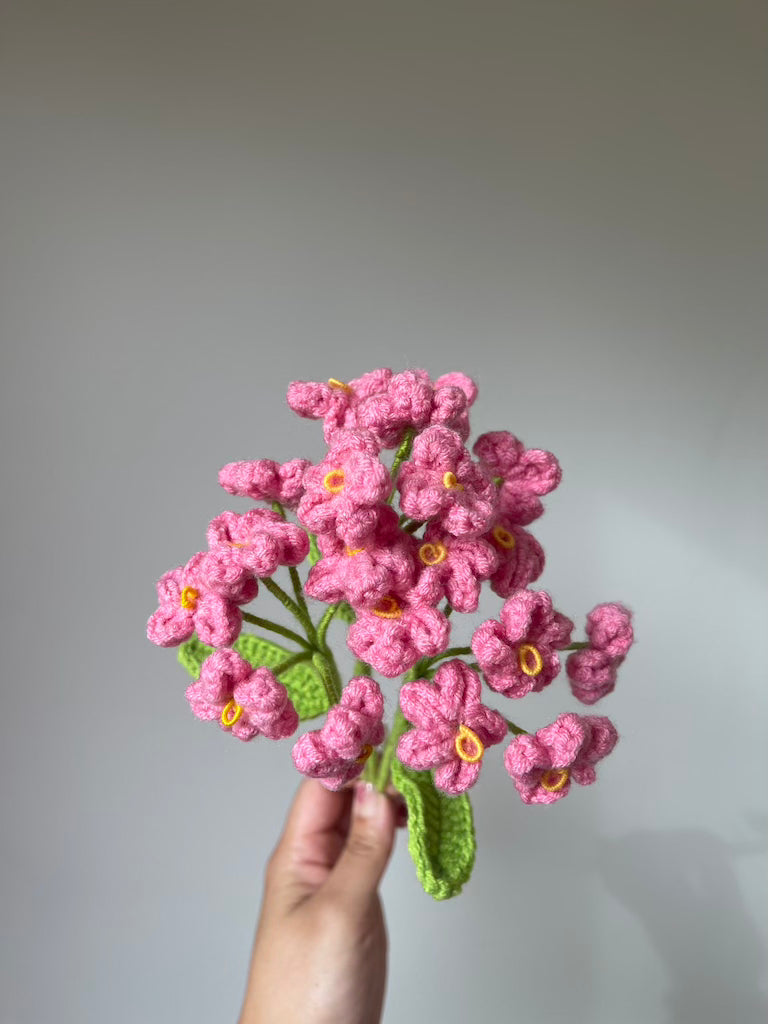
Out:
{"x": 456, "y": 776}
{"x": 602, "y": 739}
{"x": 461, "y": 381}
{"x": 564, "y": 738}
{"x": 421, "y": 749}
{"x": 168, "y": 628}
{"x": 525, "y": 754}
{"x": 421, "y": 703}
{"x": 609, "y": 628}
{"x": 217, "y": 621}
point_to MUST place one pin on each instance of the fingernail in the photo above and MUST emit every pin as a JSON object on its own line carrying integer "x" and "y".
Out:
{"x": 367, "y": 800}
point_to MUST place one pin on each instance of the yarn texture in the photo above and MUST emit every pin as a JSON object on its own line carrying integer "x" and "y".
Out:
{"x": 388, "y": 540}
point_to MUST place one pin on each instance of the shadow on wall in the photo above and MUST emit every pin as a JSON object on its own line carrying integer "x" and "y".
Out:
{"x": 682, "y": 887}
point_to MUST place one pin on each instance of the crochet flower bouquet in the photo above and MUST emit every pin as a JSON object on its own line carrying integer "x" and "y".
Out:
{"x": 394, "y": 551}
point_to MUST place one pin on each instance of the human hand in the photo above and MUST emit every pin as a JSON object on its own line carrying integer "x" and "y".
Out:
{"x": 320, "y": 951}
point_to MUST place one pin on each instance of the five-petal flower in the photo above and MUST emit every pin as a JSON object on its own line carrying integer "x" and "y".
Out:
{"x": 336, "y": 753}
{"x": 519, "y": 653}
{"x": 343, "y": 492}
{"x": 543, "y": 765}
{"x": 452, "y": 727}
{"x": 246, "y": 701}
{"x": 440, "y": 481}
{"x": 187, "y": 605}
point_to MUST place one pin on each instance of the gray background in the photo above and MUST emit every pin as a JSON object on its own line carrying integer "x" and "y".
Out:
{"x": 202, "y": 202}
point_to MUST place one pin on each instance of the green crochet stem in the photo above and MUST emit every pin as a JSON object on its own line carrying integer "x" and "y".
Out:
{"x": 275, "y": 627}
{"x": 384, "y": 769}
{"x": 401, "y": 455}
{"x": 328, "y": 677}
{"x": 295, "y": 659}
{"x": 334, "y": 672}
{"x": 302, "y": 602}
{"x": 383, "y": 773}
{"x": 315, "y": 645}
{"x": 285, "y": 599}
{"x": 450, "y": 652}
{"x": 322, "y": 626}
{"x": 314, "y": 550}
{"x": 413, "y": 526}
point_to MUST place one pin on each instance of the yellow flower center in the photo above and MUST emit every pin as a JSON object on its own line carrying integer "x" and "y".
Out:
{"x": 232, "y": 711}
{"x": 355, "y": 551}
{"x": 433, "y": 554}
{"x": 334, "y": 481}
{"x": 503, "y": 538}
{"x": 554, "y": 780}
{"x": 388, "y": 608}
{"x": 189, "y": 598}
{"x": 339, "y": 384}
{"x": 530, "y": 660}
{"x": 451, "y": 483}
{"x": 365, "y": 753}
{"x": 468, "y": 745}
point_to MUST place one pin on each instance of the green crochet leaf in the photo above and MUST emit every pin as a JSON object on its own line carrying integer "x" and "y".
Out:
{"x": 314, "y": 550}
{"x": 302, "y": 681}
{"x": 192, "y": 654}
{"x": 441, "y": 834}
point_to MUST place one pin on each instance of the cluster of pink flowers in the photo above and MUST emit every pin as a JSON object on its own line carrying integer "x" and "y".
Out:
{"x": 403, "y": 545}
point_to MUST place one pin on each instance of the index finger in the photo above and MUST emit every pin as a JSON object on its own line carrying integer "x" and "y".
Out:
{"x": 313, "y": 837}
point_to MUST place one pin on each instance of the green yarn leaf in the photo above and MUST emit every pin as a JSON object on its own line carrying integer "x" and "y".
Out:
{"x": 192, "y": 654}
{"x": 441, "y": 833}
{"x": 314, "y": 550}
{"x": 303, "y": 682}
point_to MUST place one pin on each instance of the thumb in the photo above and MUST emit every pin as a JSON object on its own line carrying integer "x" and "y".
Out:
{"x": 366, "y": 852}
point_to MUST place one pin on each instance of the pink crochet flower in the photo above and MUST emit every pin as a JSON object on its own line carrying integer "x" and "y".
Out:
{"x": 344, "y": 491}
{"x": 522, "y": 474}
{"x": 543, "y": 765}
{"x": 335, "y": 402}
{"x": 394, "y": 635}
{"x": 453, "y": 727}
{"x": 519, "y": 654}
{"x": 385, "y": 403}
{"x": 363, "y": 576}
{"x": 609, "y": 628}
{"x": 249, "y": 702}
{"x": 247, "y": 545}
{"x": 440, "y": 481}
{"x": 452, "y": 567}
{"x": 406, "y": 402}
{"x": 188, "y": 605}
{"x": 592, "y": 671}
{"x": 266, "y": 480}
{"x": 460, "y": 381}
{"x": 412, "y": 401}
{"x": 336, "y": 754}
{"x": 447, "y": 407}
{"x": 520, "y": 557}
{"x": 591, "y": 674}
{"x": 386, "y": 532}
